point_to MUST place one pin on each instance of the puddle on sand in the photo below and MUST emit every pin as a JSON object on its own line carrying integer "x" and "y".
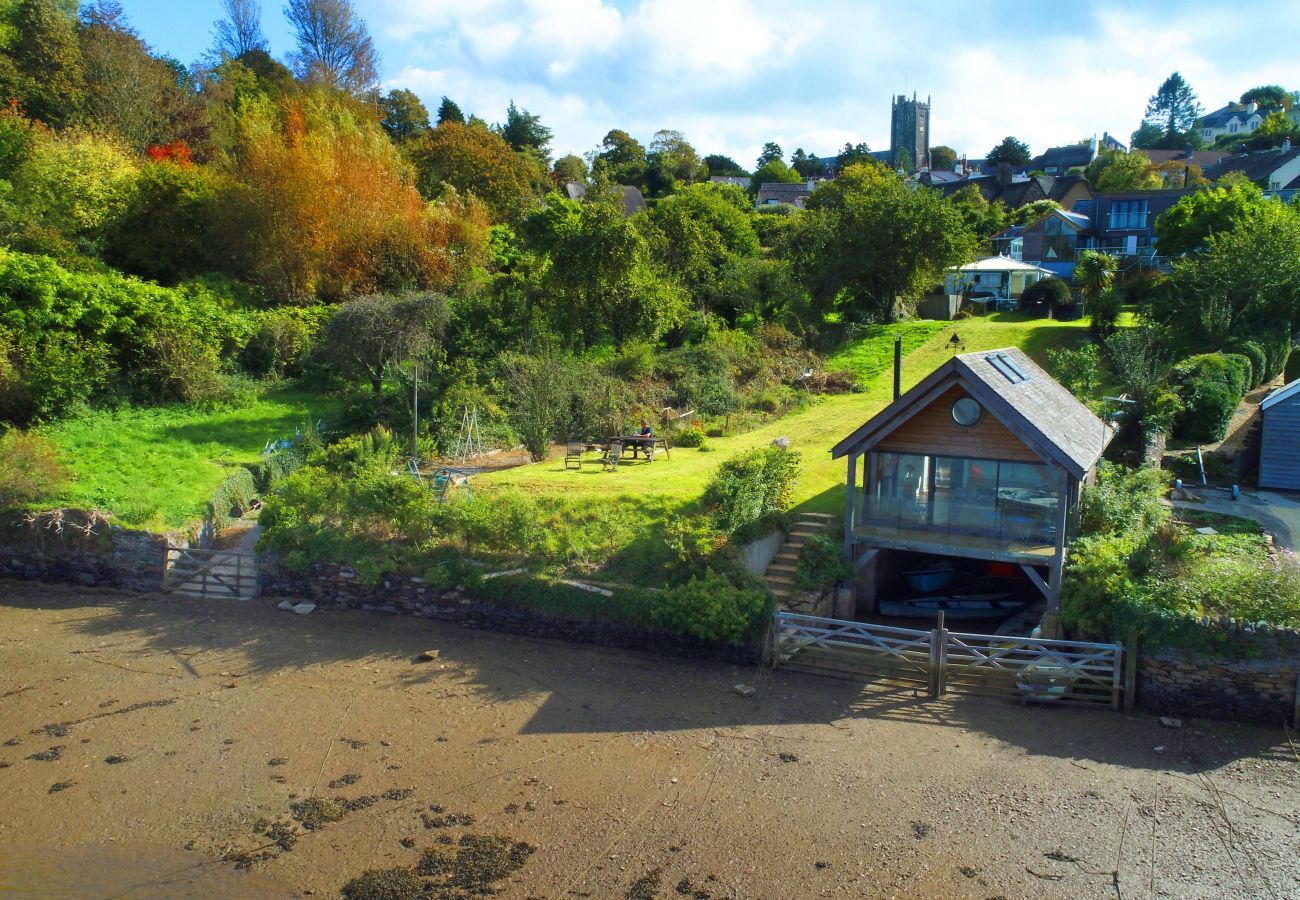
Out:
{"x": 127, "y": 872}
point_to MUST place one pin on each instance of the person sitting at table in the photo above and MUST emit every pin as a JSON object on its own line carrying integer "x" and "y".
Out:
{"x": 646, "y": 430}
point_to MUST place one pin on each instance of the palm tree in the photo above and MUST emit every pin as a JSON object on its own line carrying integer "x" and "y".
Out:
{"x": 1094, "y": 273}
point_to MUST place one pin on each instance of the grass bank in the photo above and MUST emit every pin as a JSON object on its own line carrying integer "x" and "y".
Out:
{"x": 158, "y": 466}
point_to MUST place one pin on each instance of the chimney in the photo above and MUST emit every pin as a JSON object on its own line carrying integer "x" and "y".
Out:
{"x": 1187, "y": 151}
{"x": 1004, "y": 173}
{"x": 1286, "y": 144}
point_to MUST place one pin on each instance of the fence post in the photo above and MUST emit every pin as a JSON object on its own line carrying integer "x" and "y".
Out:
{"x": 1130, "y": 671}
{"x": 933, "y": 687}
{"x": 941, "y": 670}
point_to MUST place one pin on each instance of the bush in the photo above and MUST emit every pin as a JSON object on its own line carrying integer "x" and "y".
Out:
{"x": 29, "y": 469}
{"x": 1045, "y": 295}
{"x": 1078, "y": 370}
{"x": 690, "y": 437}
{"x": 712, "y": 608}
{"x": 1258, "y": 360}
{"x": 1105, "y": 313}
{"x": 1277, "y": 351}
{"x": 232, "y": 498}
{"x": 1210, "y": 386}
{"x": 1124, "y": 501}
{"x": 694, "y": 540}
{"x": 822, "y": 564}
{"x": 751, "y": 488}
{"x": 282, "y": 341}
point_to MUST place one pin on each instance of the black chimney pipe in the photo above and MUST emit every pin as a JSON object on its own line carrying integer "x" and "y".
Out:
{"x": 898, "y": 367}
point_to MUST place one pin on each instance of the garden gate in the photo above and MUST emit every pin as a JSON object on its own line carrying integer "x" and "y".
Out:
{"x": 211, "y": 574}
{"x": 946, "y": 661}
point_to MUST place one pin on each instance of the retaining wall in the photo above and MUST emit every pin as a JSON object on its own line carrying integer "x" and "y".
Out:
{"x": 1254, "y": 679}
{"x": 80, "y": 548}
{"x": 334, "y": 586}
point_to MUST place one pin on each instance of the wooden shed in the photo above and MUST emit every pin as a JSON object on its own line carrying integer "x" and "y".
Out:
{"x": 1279, "y": 449}
{"x": 982, "y": 460}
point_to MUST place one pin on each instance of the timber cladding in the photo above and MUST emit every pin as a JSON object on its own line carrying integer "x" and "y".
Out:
{"x": 932, "y": 431}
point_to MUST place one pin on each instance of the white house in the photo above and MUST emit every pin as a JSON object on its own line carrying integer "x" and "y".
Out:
{"x": 1235, "y": 118}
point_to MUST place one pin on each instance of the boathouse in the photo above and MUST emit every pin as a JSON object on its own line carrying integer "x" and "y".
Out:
{"x": 983, "y": 460}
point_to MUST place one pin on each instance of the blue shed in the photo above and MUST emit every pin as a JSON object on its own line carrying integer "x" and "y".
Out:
{"x": 1279, "y": 451}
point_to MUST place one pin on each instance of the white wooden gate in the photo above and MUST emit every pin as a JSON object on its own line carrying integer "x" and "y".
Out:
{"x": 212, "y": 574}
{"x": 1030, "y": 669}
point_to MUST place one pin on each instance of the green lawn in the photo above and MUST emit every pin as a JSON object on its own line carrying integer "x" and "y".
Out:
{"x": 158, "y": 466}
{"x": 814, "y": 429}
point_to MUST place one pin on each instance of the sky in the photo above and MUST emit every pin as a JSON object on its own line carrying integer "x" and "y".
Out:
{"x": 734, "y": 74}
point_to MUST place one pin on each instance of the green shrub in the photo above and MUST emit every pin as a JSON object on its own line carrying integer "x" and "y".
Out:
{"x": 1079, "y": 370}
{"x": 822, "y": 564}
{"x": 1277, "y": 351}
{"x": 1044, "y": 295}
{"x": 694, "y": 540}
{"x": 1292, "y": 369}
{"x": 283, "y": 339}
{"x": 751, "y": 488}
{"x": 1105, "y": 312}
{"x": 627, "y": 605}
{"x": 1210, "y": 386}
{"x": 232, "y": 498}
{"x": 1124, "y": 501}
{"x": 690, "y": 437}
{"x": 1253, "y": 589}
{"x": 712, "y": 608}
{"x": 775, "y": 399}
{"x": 1239, "y": 371}
{"x": 1258, "y": 360}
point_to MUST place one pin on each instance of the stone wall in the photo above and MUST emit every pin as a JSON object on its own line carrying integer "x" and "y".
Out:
{"x": 1253, "y": 679}
{"x": 78, "y": 547}
{"x": 337, "y": 587}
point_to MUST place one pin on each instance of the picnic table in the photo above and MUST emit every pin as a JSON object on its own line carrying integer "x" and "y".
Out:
{"x": 639, "y": 443}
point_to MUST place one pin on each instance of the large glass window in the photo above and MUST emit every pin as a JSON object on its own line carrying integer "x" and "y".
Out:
{"x": 1011, "y": 503}
{"x": 1128, "y": 214}
{"x": 1058, "y": 240}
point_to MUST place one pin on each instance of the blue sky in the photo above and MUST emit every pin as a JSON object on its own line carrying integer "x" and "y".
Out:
{"x": 732, "y": 74}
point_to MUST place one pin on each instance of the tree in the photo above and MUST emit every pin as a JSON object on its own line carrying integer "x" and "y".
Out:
{"x": 1174, "y": 174}
{"x": 1095, "y": 273}
{"x": 773, "y": 171}
{"x": 76, "y": 183}
{"x": 334, "y": 47}
{"x": 724, "y": 165}
{"x": 1187, "y": 226}
{"x": 1148, "y": 137}
{"x": 1173, "y": 109}
{"x": 1270, "y": 96}
{"x": 49, "y": 80}
{"x": 369, "y": 335}
{"x": 570, "y": 167}
{"x": 1009, "y": 150}
{"x": 524, "y": 129}
{"x": 240, "y": 31}
{"x": 405, "y": 116}
{"x": 1114, "y": 170}
{"x": 807, "y": 166}
{"x": 448, "y": 111}
{"x": 853, "y": 153}
{"x": 476, "y": 161}
{"x": 539, "y": 391}
{"x": 870, "y": 243}
{"x": 771, "y": 151}
{"x": 1276, "y": 127}
{"x": 1141, "y": 363}
{"x": 624, "y": 157}
{"x": 943, "y": 157}
{"x": 672, "y": 163}
{"x": 981, "y": 217}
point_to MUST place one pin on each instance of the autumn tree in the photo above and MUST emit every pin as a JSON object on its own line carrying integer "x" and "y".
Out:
{"x": 240, "y": 31}
{"x": 870, "y": 244}
{"x": 333, "y": 45}
{"x": 473, "y": 160}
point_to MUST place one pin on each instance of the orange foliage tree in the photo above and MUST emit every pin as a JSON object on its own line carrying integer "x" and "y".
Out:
{"x": 330, "y": 209}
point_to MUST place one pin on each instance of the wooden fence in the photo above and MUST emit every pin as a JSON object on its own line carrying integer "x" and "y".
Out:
{"x": 212, "y": 574}
{"x": 1028, "y": 669}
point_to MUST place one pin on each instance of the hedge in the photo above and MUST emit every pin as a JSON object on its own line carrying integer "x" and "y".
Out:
{"x": 1210, "y": 386}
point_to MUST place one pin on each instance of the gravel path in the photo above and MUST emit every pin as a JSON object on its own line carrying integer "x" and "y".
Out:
{"x": 189, "y": 732}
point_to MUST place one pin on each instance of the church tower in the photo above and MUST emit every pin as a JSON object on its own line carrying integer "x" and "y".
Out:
{"x": 909, "y": 133}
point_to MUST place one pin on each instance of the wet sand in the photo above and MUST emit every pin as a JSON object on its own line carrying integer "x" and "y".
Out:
{"x": 621, "y": 770}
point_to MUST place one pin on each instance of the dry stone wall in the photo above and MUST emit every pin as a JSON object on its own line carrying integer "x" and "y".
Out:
{"x": 78, "y": 547}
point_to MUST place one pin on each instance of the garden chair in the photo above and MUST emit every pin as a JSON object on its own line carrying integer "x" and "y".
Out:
{"x": 612, "y": 456}
{"x": 573, "y": 454}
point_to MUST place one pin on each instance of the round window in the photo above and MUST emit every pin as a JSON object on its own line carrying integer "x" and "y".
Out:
{"x": 966, "y": 411}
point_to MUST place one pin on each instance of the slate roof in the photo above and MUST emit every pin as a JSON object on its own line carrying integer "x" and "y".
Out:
{"x": 1222, "y": 116}
{"x": 1062, "y": 185}
{"x": 1064, "y": 158}
{"x": 793, "y": 194}
{"x": 1257, "y": 166}
{"x": 1037, "y": 409}
{"x": 1202, "y": 158}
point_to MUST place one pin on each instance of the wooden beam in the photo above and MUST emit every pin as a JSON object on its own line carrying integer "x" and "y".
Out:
{"x": 868, "y": 555}
{"x": 1038, "y": 581}
{"x": 850, "y": 506}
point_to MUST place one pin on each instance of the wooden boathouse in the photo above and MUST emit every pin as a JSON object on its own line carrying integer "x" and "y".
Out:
{"x": 984, "y": 459}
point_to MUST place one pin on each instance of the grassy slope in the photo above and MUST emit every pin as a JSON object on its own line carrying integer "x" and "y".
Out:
{"x": 813, "y": 430}
{"x": 159, "y": 466}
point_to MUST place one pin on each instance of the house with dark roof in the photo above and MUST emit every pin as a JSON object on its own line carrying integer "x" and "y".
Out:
{"x": 775, "y": 193}
{"x": 1051, "y": 241}
{"x": 1123, "y": 223}
{"x": 1273, "y": 170}
{"x": 633, "y": 201}
{"x": 1235, "y": 118}
{"x": 1060, "y": 160}
{"x": 1187, "y": 156}
{"x": 1013, "y": 190}
{"x": 976, "y": 470}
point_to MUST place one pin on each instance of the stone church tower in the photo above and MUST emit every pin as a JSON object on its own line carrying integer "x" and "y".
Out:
{"x": 909, "y": 133}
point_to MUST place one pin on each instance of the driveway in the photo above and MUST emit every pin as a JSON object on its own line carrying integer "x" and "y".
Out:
{"x": 1278, "y": 512}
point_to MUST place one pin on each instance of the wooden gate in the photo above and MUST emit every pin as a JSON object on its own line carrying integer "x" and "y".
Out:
{"x": 1029, "y": 669}
{"x": 212, "y": 574}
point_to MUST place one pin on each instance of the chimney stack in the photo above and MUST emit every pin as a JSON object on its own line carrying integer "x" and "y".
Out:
{"x": 1286, "y": 144}
{"x": 1004, "y": 173}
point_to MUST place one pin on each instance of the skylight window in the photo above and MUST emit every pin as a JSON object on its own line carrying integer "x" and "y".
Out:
{"x": 1009, "y": 370}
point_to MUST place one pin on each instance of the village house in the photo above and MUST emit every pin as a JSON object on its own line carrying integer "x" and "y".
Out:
{"x": 775, "y": 193}
{"x": 981, "y": 466}
{"x": 1273, "y": 170}
{"x": 1235, "y": 118}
